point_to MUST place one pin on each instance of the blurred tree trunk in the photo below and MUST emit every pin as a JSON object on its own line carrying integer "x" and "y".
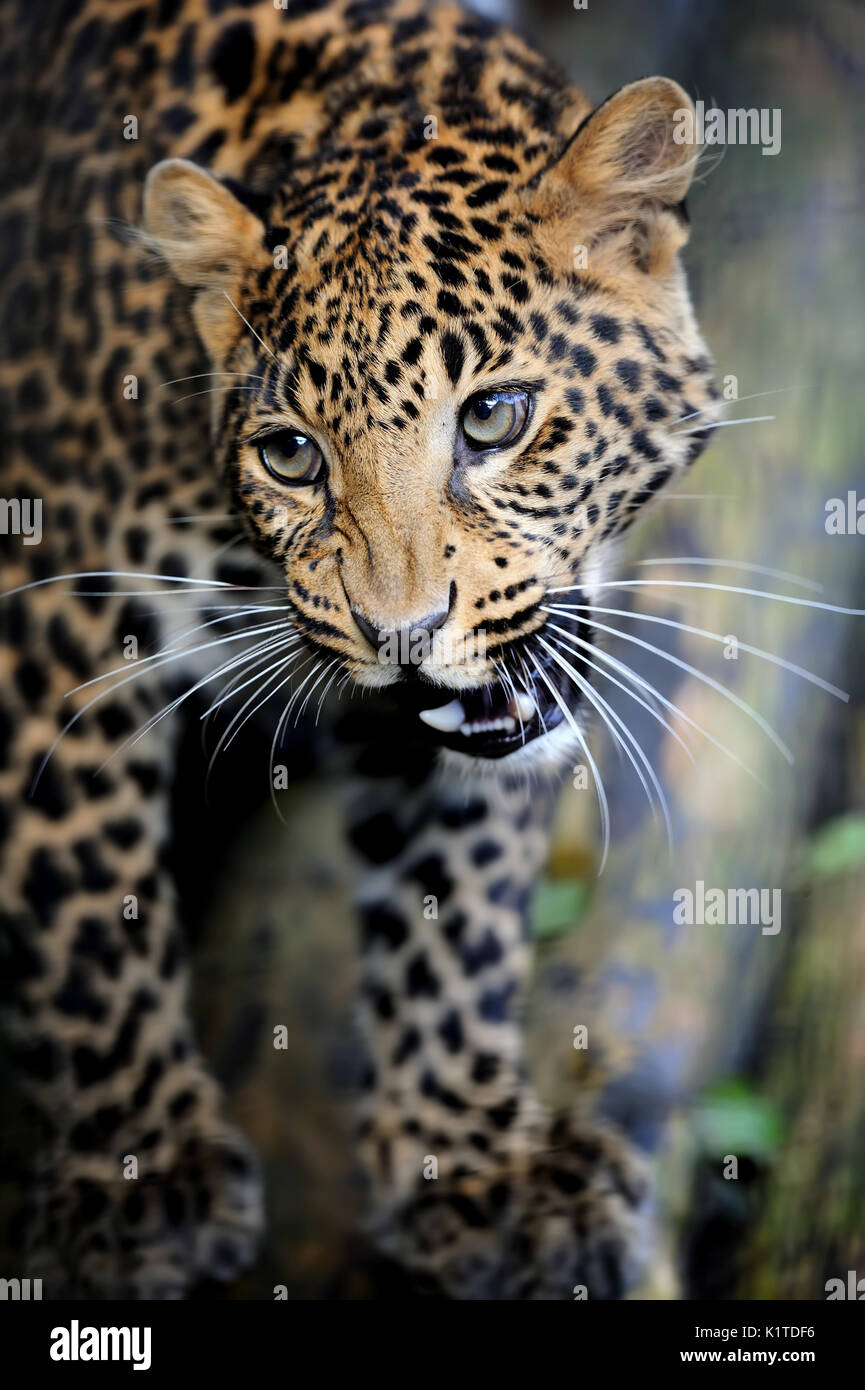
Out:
{"x": 812, "y": 1225}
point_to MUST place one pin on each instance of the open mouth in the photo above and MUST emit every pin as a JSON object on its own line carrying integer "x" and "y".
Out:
{"x": 491, "y": 721}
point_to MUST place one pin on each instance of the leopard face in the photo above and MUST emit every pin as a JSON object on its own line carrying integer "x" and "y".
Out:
{"x": 456, "y": 377}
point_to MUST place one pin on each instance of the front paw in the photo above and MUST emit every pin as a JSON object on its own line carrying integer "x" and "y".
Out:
{"x": 570, "y": 1220}
{"x": 584, "y": 1228}
{"x": 91, "y": 1233}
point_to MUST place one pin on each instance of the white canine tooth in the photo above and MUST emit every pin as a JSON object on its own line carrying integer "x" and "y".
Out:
{"x": 447, "y": 719}
{"x": 523, "y": 707}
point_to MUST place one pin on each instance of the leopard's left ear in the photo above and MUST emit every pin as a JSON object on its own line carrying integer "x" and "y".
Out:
{"x": 619, "y": 183}
{"x": 206, "y": 235}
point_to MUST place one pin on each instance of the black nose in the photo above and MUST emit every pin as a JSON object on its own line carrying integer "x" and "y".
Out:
{"x": 404, "y": 646}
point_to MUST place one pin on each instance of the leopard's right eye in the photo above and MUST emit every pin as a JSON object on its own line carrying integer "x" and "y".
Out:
{"x": 493, "y": 419}
{"x": 291, "y": 457}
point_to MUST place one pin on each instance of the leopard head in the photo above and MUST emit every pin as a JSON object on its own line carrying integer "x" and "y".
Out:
{"x": 464, "y": 367}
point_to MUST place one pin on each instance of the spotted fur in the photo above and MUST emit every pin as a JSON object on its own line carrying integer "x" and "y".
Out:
{"x": 365, "y": 211}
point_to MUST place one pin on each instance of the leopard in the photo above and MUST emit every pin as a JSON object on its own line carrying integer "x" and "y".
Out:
{"x": 340, "y": 337}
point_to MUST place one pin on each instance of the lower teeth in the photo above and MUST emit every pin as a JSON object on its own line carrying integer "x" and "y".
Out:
{"x": 449, "y": 718}
{"x": 487, "y": 726}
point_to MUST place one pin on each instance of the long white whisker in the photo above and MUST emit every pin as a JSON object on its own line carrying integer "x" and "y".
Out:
{"x": 132, "y": 675}
{"x": 174, "y": 704}
{"x": 599, "y": 785}
{"x": 619, "y": 746}
{"x": 346, "y": 678}
{"x": 564, "y": 636}
{"x": 296, "y": 694}
{"x": 198, "y": 376}
{"x": 171, "y": 593}
{"x": 774, "y": 660}
{"x": 211, "y": 391}
{"x": 529, "y": 682}
{"x": 730, "y": 695}
{"x": 237, "y": 720}
{"x": 277, "y": 734}
{"x": 232, "y": 687}
{"x": 506, "y": 678}
{"x": 223, "y": 617}
{"x": 755, "y": 395}
{"x": 323, "y": 695}
{"x": 209, "y": 585}
{"x": 639, "y": 680}
{"x": 250, "y": 327}
{"x": 169, "y": 654}
{"x": 626, "y": 739}
{"x": 724, "y": 589}
{"x": 261, "y": 695}
{"x": 747, "y": 565}
{"x": 720, "y": 425}
{"x": 229, "y": 545}
{"x": 314, "y": 687}
{"x": 200, "y": 516}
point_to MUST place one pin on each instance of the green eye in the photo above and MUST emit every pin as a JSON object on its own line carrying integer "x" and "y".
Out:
{"x": 493, "y": 418}
{"x": 291, "y": 457}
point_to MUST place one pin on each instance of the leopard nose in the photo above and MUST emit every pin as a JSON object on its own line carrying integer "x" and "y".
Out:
{"x": 402, "y": 645}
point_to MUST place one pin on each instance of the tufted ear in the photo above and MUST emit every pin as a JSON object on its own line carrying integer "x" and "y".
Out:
{"x": 204, "y": 233}
{"x": 617, "y": 186}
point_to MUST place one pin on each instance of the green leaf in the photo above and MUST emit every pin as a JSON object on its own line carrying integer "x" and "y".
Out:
{"x": 558, "y": 905}
{"x": 837, "y": 847}
{"x": 733, "y": 1119}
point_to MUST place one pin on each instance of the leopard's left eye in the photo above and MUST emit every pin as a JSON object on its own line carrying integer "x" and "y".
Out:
{"x": 494, "y": 418}
{"x": 291, "y": 457}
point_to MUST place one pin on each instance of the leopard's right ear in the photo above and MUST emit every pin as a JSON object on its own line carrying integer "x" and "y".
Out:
{"x": 617, "y": 187}
{"x": 206, "y": 235}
